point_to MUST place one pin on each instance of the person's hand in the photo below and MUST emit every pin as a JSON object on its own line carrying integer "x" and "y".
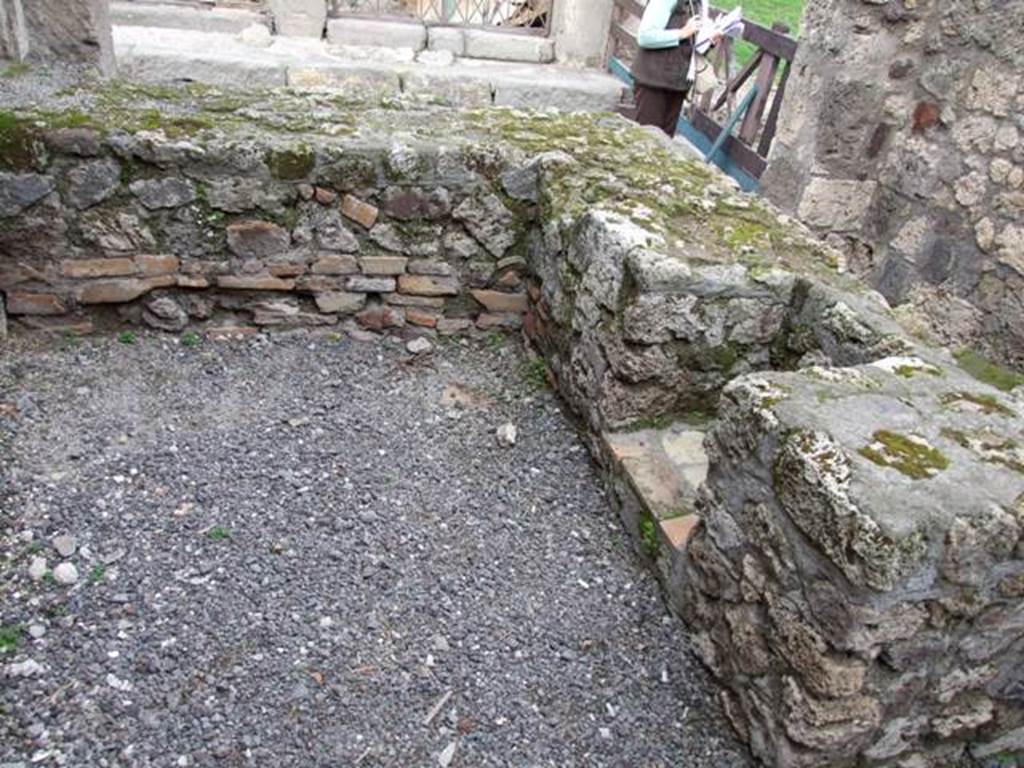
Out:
{"x": 690, "y": 28}
{"x": 716, "y": 38}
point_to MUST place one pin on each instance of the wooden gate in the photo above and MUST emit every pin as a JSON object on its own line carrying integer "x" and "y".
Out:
{"x": 749, "y": 101}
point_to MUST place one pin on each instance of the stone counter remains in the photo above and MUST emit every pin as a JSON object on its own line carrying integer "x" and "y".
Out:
{"x": 854, "y": 578}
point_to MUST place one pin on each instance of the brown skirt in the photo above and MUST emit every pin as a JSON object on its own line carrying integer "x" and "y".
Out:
{"x": 658, "y": 106}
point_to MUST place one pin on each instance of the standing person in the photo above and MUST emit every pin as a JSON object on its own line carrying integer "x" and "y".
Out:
{"x": 666, "y": 36}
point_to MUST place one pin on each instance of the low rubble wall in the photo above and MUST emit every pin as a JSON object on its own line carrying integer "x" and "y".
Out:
{"x": 855, "y": 581}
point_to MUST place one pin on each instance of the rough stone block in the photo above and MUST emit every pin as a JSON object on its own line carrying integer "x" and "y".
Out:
{"x": 371, "y": 284}
{"x": 253, "y": 239}
{"x": 451, "y": 86}
{"x": 383, "y": 265}
{"x": 163, "y": 193}
{"x": 449, "y": 39}
{"x": 299, "y": 18}
{"x": 568, "y": 90}
{"x": 428, "y": 285}
{"x": 509, "y": 46}
{"x": 86, "y": 268}
{"x": 119, "y": 291}
{"x": 386, "y": 34}
{"x": 380, "y": 317}
{"x": 29, "y": 303}
{"x": 498, "y": 320}
{"x": 19, "y": 191}
{"x": 423, "y": 317}
{"x": 153, "y": 265}
{"x": 69, "y": 31}
{"x": 341, "y": 302}
{"x": 360, "y": 212}
{"x": 335, "y": 265}
{"x": 255, "y": 283}
{"x": 497, "y": 301}
{"x": 837, "y": 205}
{"x": 359, "y": 80}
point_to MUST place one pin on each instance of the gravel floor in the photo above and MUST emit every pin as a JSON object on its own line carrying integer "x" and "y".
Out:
{"x": 289, "y": 551}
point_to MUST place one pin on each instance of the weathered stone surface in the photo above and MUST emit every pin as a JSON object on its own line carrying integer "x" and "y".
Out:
{"x": 299, "y": 18}
{"x": 486, "y": 321}
{"x": 19, "y": 191}
{"x": 84, "y": 268}
{"x": 360, "y": 212}
{"x": 489, "y": 221}
{"x": 257, "y": 239}
{"x": 428, "y": 285}
{"x": 163, "y": 193}
{"x": 165, "y": 314}
{"x": 28, "y": 303}
{"x": 383, "y": 265}
{"x": 69, "y": 31}
{"x": 237, "y": 195}
{"x": 429, "y": 267}
{"x": 496, "y": 301}
{"x": 329, "y": 264}
{"x": 341, "y": 302}
{"x": 413, "y": 203}
{"x": 255, "y": 283}
{"x": 365, "y": 284}
{"x": 93, "y": 182}
{"x": 118, "y": 291}
{"x": 151, "y": 265}
{"x": 380, "y": 317}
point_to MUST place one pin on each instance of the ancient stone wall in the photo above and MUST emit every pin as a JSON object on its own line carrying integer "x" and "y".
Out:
{"x": 900, "y": 142}
{"x": 855, "y": 578}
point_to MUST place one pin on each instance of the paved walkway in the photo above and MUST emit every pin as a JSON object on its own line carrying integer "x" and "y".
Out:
{"x": 305, "y": 551}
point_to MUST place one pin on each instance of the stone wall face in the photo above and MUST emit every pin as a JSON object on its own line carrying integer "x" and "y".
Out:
{"x": 857, "y": 619}
{"x": 69, "y": 31}
{"x": 855, "y": 580}
{"x": 901, "y": 142}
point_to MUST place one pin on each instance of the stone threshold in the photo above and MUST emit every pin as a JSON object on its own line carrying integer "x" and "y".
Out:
{"x": 168, "y": 55}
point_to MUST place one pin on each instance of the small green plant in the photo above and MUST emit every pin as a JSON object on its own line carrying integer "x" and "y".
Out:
{"x": 535, "y": 373}
{"x": 217, "y": 534}
{"x": 127, "y": 337}
{"x": 190, "y": 339}
{"x": 334, "y": 337}
{"x": 17, "y": 69}
{"x": 9, "y": 637}
{"x": 97, "y": 573}
{"x": 49, "y": 580}
{"x": 649, "y": 536}
{"x": 71, "y": 340}
{"x": 988, "y": 372}
{"x": 495, "y": 339}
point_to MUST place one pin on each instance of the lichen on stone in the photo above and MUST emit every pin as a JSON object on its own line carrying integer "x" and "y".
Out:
{"x": 909, "y": 454}
{"x": 989, "y": 446}
{"x": 986, "y": 404}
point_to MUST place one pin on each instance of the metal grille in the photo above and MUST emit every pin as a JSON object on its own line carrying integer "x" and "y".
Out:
{"x": 530, "y": 15}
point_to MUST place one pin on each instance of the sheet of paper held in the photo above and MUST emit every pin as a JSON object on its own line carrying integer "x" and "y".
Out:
{"x": 728, "y": 25}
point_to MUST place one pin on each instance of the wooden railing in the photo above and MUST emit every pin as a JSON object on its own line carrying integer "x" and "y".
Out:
{"x": 760, "y": 101}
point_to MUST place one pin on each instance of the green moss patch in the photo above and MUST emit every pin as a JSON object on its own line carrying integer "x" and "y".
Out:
{"x": 988, "y": 372}
{"x": 910, "y": 455}
{"x": 292, "y": 164}
{"x": 20, "y": 147}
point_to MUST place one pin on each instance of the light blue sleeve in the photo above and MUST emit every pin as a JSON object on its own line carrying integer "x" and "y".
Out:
{"x": 652, "y": 33}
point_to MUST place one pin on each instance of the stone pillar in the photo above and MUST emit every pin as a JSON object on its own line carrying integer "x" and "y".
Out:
{"x": 68, "y": 31}
{"x": 580, "y": 29}
{"x": 901, "y": 142}
{"x": 299, "y": 18}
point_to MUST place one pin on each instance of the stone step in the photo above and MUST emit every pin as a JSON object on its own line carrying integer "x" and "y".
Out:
{"x": 171, "y": 16}
{"x": 220, "y": 59}
{"x": 662, "y": 468}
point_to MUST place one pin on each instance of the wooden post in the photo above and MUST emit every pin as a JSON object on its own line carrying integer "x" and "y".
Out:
{"x": 765, "y": 77}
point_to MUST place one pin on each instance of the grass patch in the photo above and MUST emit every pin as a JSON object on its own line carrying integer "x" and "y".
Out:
{"x": 190, "y": 339}
{"x": 17, "y": 69}
{"x": 97, "y": 573}
{"x": 127, "y": 337}
{"x": 9, "y": 637}
{"x": 495, "y": 339}
{"x": 988, "y": 372}
{"x": 649, "y": 536}
{"x": 765, "y": 13}
{"x": 535, "y": 373}
{"x": 217, "y": 533}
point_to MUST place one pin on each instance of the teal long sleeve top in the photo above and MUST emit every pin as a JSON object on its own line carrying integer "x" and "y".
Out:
{"x": 652, "y": 33}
